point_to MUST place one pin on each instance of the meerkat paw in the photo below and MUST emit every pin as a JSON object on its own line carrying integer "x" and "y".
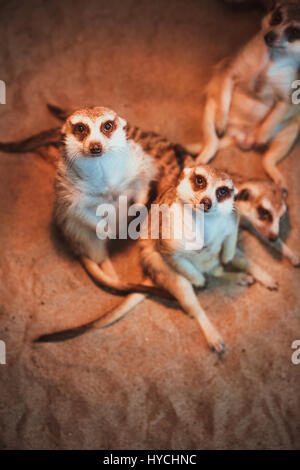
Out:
{"x": 262, "y": 139}
{"x": 280, "y": 181}
{"x": 198, "y": 281}
{"x": 221, "y": 125}
{"x": 216, "y": 343}
{"x": 246, "y": 142}
{"x": 295, "y": 261}
{"x": 245, "y": 279}
{"x": 270, "y": 283}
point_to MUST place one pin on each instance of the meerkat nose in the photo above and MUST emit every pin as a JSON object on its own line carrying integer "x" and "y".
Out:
{"x": 206, "y": 203}
{"x": 95, "y": 148}
{"x": 270, "y": 38}
{"x": 273, "y": 237}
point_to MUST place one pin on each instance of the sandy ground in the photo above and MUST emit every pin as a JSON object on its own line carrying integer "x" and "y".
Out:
{"x": 148, "y": 382}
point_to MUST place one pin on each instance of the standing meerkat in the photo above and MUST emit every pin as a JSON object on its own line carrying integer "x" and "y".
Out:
{"x": 102, "y": 159}
{"x": 249, "y": 98}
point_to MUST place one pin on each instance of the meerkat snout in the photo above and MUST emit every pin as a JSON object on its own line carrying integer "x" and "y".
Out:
{"x": 95, "y": 148}
{"x": 270, "y": 38}
{"x": 273, "y": 237}
{"x": 207, "y": 203}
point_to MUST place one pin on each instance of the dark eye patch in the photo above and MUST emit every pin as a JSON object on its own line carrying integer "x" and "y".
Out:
{"x": 276, "y": 18}
{"x": 223, "y": 193}
{"x": 199, "y": 182}
{"x": 243, "y": 195}
{"x": 264, "y": 214}
{"x": 292, "y": 33}
{"x": 108, "y": 127}
{"x": 80, "y": 130}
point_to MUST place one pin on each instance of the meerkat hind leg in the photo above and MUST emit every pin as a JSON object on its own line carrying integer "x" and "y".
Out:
{"x": 246, "y": 264}
{"x": 278, "y": 149}
{"x": 183, "y": 291}
{"x": 242, "y": 278}
{"x": 189, "y": 271}
{"x": 108, "y": 268}
{"x": 211, "y": 140}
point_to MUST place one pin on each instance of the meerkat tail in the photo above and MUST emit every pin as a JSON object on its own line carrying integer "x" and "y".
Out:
{"x": 98, "y": 323}
{"x": 120, "y": 311}
{"x": 100, "y": 276}
{"x": 51, "y": 136}
{"x": 58, "y": 112}
{"x": 123, "y": 308}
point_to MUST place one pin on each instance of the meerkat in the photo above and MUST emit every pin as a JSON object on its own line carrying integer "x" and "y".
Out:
{"x": 102, "y": 159}
{"x": 248, "y": 100}
{"x": 174, "y": 264}
{"x": 261, "y": 205}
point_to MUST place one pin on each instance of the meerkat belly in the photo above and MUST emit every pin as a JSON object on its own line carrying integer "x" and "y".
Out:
{"x": 80, "y": 226}
{"x": 215, "y": 232}
{"x": 253, "y": 100}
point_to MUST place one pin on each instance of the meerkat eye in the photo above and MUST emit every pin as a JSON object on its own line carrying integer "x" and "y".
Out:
{"x": 80, "y": 128}
{"x": 81, "y": 131}
{"x": 276, "y": 18}
{"x": 292, "y": 33}
{"x": 200, "y": 181}
{"x": 264, "y": 214}
{"x": 108, "y": 126}
{"x": 223, "y": 193}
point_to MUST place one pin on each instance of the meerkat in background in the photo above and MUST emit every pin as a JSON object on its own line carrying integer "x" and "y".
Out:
{"x": 261, "y": 205}
{"x": 249, "y": 98}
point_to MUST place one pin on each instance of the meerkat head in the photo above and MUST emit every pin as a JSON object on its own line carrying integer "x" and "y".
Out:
{"x": 92, "y": 132}
{"x": 262, "y": 203}
{"x": 281, "y": 28}
{"x": 205, "y": 185}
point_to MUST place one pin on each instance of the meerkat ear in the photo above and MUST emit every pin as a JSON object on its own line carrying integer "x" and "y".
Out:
{"x": 122, "y": 122}
{"x": 243, "y": 195}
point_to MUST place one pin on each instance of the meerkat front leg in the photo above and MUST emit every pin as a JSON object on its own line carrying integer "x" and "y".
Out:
{"x": 246, "y": 264}
{"x": 278, "y": 149}
{"x": 211, "y": 140}
{"x": 264, "y": 132}
{"x": 188, "y": 270}
{"x": 215, "y": 121}
{"x": 229, "y": 245}
{"x": 285, "y": 251}
{"x": 223, "y": 107}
